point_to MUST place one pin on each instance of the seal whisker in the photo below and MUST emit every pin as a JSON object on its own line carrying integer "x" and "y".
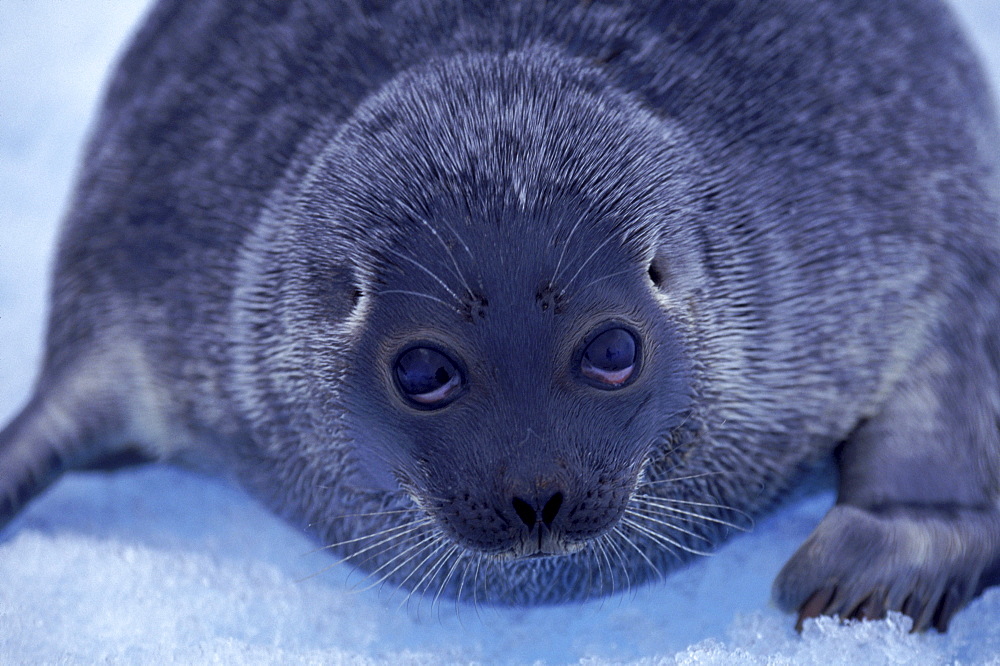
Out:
{"x": 453, "y": 552}
{"x": 400, "y": 538}
{"x": 593, "y": 548}
{"x": 671, "y": 503}
{"x": 565, "y": 245}
{"x": 693, "y": 517}
{"x": 586, "y": 261}
{"x": 706, "y": 505}
{"x": 602, "y": 278}
{"x": 463, "y": 559}
{"x": 489, "y": 574}
{"x": 675, "y": 511}
{"x": 429, "y": 272}
{"x": 449, "y": 556}
{"x": 622, "y": 561}
{"x": 675, "y": 479}
{"x": 415, "y": 532}
{"x": 436, "y": 546}
{"x": 440, "y": 555}
{"x": 447, "y": 249}
{"x": 624, "y": 537}
{"x": 465, "y": 246}
{"x": 475, "y": 583}
{"x": 562, "y": 253}
{"x": 671, "y": 545}
{"x": 322, "y": 571}
{"x": 388, "y": 539}
{"x": 670, "y": 526}
{"x": 603, "y": 550}
{"x": 591, "y": 580}
{"x": 373, "y": 514}
{"x": 394, "y": 541}
{"x": 407, "y": 556}
{"x": 420, "y": 295}
{"x": 399, "y": 530}
{"x": 662, "y": 538}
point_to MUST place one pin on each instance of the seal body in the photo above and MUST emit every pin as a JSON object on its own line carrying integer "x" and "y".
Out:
{"x": 529, "y": 301}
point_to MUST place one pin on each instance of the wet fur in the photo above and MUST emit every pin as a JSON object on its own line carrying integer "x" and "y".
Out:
{"x": 808, "y": 228}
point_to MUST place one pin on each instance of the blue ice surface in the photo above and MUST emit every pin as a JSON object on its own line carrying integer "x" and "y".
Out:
{"x": 160, "y": 565}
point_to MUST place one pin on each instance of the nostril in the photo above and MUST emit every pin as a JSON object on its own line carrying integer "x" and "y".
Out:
{"x": 525, "y": 512}
{"x": 529, "y": 515}
{"x": 551, "y": 508}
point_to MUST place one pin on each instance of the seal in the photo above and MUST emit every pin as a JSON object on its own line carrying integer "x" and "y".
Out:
{"x": 523, "y": 302}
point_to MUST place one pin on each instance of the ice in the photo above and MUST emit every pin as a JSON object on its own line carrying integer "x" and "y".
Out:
{"x": 157, "y": 565}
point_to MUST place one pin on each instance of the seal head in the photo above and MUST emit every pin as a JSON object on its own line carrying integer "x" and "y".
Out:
{"x": 492, "y": 293}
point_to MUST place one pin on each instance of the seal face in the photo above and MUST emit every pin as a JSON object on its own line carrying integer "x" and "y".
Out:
{"x": 528, "y": 302}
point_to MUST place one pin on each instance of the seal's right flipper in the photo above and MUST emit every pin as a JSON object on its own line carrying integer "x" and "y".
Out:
{"x": 53, "y": 434}
{"x": 30, "y": 459}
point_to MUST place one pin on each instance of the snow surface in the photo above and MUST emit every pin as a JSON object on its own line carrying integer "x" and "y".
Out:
{"x": 159, "y": 565}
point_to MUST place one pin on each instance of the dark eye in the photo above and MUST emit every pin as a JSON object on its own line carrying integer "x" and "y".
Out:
{"x": 427, "y": 377}
{"x": 609, "y": 359}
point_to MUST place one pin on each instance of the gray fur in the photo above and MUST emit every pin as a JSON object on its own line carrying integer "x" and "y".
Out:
{"x": 793, "y": 205}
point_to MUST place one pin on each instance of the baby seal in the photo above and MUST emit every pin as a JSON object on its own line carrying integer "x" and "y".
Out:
{"x": 525, "y": 302}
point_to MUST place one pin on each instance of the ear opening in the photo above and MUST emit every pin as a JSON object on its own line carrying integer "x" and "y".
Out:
{"x": 333, "y": 287}
{"x": 657, "y": 272}
{"x": 675, "y": 269}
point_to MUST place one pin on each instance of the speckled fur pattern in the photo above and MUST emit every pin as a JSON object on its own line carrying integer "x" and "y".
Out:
{"x": 792, "y": 204}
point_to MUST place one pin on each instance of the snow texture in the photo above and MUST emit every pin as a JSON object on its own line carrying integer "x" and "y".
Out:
{"x": 158, "y": 565}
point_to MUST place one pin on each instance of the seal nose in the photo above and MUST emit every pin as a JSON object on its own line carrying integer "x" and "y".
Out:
{"x": 531, "y": 516}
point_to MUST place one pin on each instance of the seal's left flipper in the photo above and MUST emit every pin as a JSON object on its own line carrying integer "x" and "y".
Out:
{"x": 860, "y": 564}
{"x": 917, "y": 527}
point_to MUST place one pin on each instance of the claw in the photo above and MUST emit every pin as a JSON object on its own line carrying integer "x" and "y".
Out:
{"x": 911, "y": 606}
{"x": 951, "y": 601}
{"x": 922, "y": 620}
{"x": 872, "y": 607}
{"x": 815, "y": 605}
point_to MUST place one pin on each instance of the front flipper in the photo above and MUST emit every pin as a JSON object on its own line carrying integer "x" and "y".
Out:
{"x": 57, "y": 431}
{"x": 926, "y": 563}
{"x": 27, "y": 463}
{"x": 916, "y": 528}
